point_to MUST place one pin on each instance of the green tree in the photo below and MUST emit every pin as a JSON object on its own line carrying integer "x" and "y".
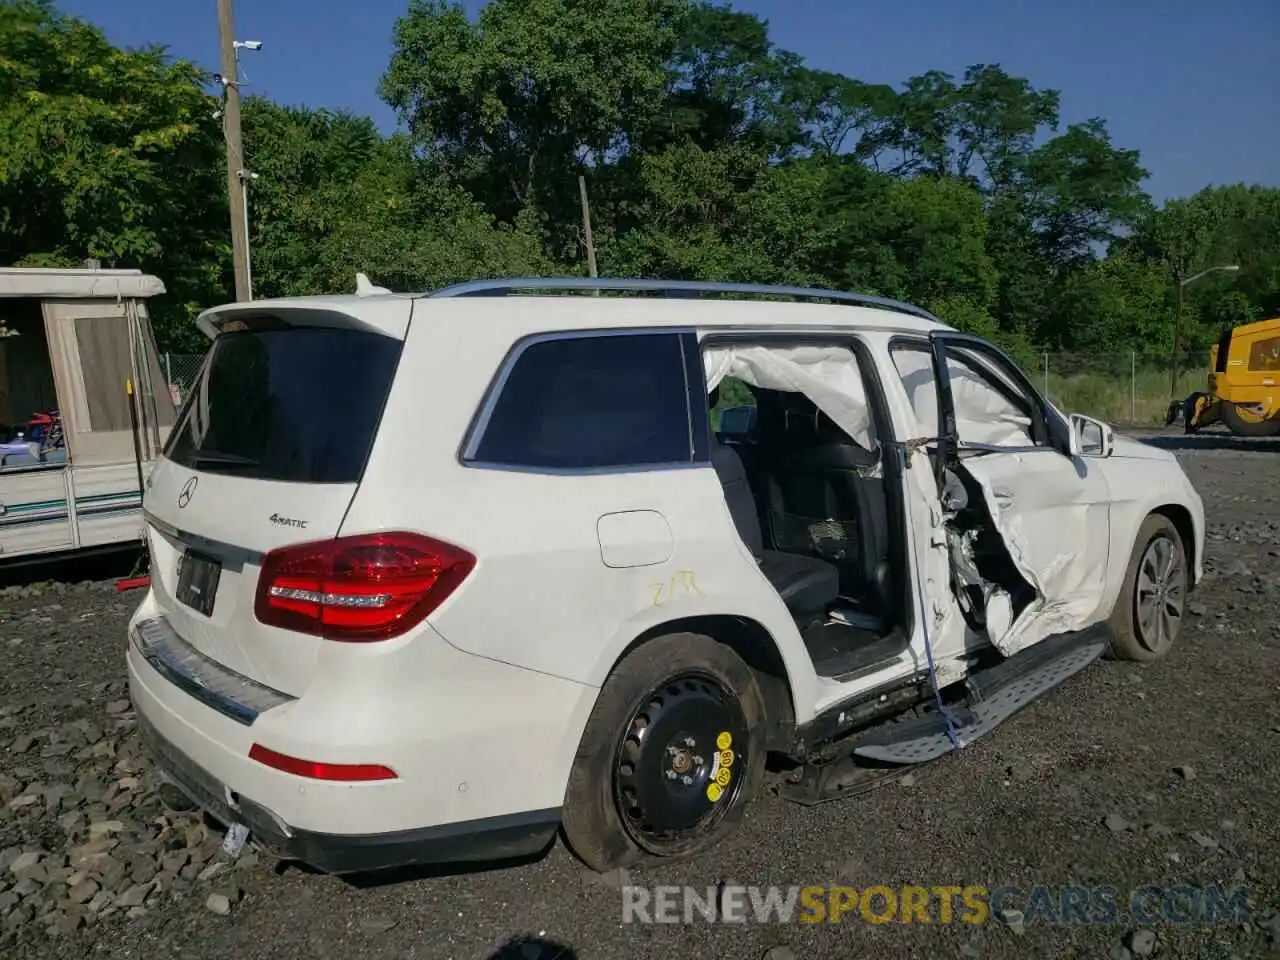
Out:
{"x": 108, "y": 154}
{"x": 335, "y": 197}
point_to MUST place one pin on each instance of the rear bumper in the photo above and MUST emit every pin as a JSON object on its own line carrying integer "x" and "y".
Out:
{"x": 492, "y": 839}
{"x": 481, "y": 751}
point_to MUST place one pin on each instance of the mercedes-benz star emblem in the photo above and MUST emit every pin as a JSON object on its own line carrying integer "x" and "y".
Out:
{"x": 187, "y": 492}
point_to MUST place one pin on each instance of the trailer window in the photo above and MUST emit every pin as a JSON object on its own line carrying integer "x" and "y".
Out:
{"x": 105, "y": 364}
{"x": 294, "y": 404}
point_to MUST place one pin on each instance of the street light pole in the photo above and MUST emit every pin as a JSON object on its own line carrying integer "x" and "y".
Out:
{"x": 1181, "y": 285}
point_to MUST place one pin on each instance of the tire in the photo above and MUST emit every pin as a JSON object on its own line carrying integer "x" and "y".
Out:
{"x": 626, "y": 802}
{"x": 1158, "y": 553}
{"x": 1241, "y": 426}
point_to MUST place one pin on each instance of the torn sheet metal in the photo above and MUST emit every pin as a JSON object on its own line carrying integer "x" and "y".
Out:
{"x": 1053, "y": 540}
{"x": 828, "y": 376}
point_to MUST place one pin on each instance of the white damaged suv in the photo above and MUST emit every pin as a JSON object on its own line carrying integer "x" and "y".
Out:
{"x": 436, "y": 577}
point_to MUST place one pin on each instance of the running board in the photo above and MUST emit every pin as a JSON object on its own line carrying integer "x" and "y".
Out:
{"x": 993, "y": 700}
{"x": 994, "y": 694}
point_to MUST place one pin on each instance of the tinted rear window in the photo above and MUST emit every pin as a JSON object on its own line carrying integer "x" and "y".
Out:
{"x": 593, "y": 402}
{"x": 296, "y": 404}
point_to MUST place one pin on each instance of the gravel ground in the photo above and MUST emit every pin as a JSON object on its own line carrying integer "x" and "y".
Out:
{"x": 1125, "y": 776}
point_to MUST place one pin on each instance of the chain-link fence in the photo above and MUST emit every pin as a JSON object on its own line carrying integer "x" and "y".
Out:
{"x": 180, "y": 371}
{"x": 1121, "y": 387}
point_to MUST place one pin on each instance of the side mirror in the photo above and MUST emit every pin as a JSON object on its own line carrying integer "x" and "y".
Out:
{"x": 1090, "y": 437}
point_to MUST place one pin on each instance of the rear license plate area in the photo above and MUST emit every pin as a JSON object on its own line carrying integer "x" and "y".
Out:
{"x": 198, "y": 576}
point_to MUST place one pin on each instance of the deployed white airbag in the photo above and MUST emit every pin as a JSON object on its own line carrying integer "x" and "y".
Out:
{"x": 983, "y": 414}
{"x": 828, "y": 376}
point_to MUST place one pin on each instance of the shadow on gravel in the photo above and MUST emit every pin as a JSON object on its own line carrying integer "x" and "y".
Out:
{"x": 1213, "y": 441}
{"x": 533, "y": 948}
{"x": 114, "y": 563}
{"x": 386, "y": 878}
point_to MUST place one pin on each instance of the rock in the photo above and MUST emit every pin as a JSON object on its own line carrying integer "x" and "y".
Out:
{"x": 1196, "y": 608}
{"x": 1186, "y": 772}
{"x": 969, "y": 951}
{"x": 22, "y": 745}
{"x": 1119, "y": 951}
{"x": 908, "y": 781}
{"x": 66, "y": 923}
{"x": 23, "y": 863}
{"x": 88, "y": 854}
{"x": 54, "y": 794}
{"x": 105, "y": 828}
{"x": 779, "y": 953}
{"x": 1142, "y": 943}
{"x": 211, "y": 871}
{"x": 1203, "y": 840}
{"x": 117, "y": 707}
{"x": 218, "y": 903}
{"x": 173, "y": 862}
{"x": 83, "y": 892}
{"x": 135, "y": 896}
{"x": 101, "y": 901}
{"x": 1116, "y": 823}
{"x": 373, "y": 926}
{"x": 110, "y": 870}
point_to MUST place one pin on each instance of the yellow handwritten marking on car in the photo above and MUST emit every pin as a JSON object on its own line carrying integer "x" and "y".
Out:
{"x": 714, "y": 791}
{"x": 724, "y": 741}
{"x": 726, "y": 758}
{"x": 682, "y": 583}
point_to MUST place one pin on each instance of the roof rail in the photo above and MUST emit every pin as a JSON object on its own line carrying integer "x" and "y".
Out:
{"x": 675, "y": 288}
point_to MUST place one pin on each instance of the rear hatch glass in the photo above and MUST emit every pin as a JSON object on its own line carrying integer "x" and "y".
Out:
{"x": 268, "y": 452}
{"x": 296, "y": 404}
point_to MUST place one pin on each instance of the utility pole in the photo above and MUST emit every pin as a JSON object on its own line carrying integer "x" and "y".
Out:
{"x": 1181, "y": 284}
{"x": 236, "y": 186}
{"x": 1177, "y": 339}
{"x": 586, "y": 226}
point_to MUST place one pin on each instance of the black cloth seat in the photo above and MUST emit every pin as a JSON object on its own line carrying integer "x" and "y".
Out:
{"x": 822, "y": 499}
{"x": 808, "y": 585}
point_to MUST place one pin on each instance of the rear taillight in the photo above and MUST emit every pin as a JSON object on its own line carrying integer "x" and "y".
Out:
{"x": 370, "y": 587}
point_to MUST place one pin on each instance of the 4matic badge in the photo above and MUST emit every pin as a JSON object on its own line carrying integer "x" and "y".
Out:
{"x": 288, "y": 522}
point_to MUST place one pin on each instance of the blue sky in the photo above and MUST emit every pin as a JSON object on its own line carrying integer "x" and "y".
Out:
{"x": 1194, "y": 85}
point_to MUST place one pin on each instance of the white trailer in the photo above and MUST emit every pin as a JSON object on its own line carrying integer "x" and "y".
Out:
{"x": 78, "y": 368}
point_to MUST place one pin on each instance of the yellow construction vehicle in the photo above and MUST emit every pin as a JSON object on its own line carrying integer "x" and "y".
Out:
{"x": 1244, "y": 384}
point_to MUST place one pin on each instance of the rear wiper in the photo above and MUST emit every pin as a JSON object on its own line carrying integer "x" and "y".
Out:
{"x": 222, "y": 459}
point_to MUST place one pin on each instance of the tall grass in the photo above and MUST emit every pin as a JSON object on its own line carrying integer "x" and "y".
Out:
{"x": 1139, "y": 396}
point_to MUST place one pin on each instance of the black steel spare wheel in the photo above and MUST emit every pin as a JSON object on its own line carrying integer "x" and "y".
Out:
{"x": 671, "y": 755}
{"x": 679, "y": 765}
